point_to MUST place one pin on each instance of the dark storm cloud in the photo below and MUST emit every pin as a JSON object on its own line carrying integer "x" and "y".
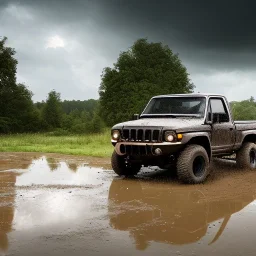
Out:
{"x": 217, "y": 32}
{"x": 215, "y": 24}
{"x": 209, "y": 24}
{"x": 215, "y": 40}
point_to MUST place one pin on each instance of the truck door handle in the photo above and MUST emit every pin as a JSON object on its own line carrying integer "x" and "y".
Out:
{"x": 231, "y": 129}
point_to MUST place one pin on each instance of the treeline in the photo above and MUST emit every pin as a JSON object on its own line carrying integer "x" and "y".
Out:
{"x": 144, "y": 70}
{"x": 72, "y": 116}
{"x": 244, "y": 110}
{"x": 65, "y": 117}
{"x": 18, "y": 113}
{"x": 68, "y": 106}
{"x": 53, "y": 115}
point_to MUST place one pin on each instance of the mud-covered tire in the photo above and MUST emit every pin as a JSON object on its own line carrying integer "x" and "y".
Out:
{"x": 246, "y": 156}
{"x": 193, "y": 165}
{"x": 120, "y": 168}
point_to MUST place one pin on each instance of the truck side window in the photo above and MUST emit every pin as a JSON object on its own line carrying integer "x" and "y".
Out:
{"x": 219, "y": 111}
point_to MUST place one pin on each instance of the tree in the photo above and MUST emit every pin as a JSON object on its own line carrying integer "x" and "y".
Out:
{"x": 17, "y": 112}
{"x": 145, "y": 70}
{"x": 52, "y": 112}
{"x": 23, "y": 110}
{"x": 96, "y": 125}
{"x": 7, "y": 84}
{"x": 8, "y": 69}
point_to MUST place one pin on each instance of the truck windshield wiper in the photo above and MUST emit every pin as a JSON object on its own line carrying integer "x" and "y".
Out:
{"x": 170, "y": 115}
{"x": 158, "y": 115}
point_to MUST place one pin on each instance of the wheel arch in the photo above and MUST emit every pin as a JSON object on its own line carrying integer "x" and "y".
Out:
{"x": 202, "y": 141}
{"x": 249, "y": 138}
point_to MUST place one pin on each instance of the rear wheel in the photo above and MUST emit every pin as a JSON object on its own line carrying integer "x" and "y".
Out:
{"x": 120, "y": 166}
{"x": 193, "y": 164}
{"x": 246, "y": 156}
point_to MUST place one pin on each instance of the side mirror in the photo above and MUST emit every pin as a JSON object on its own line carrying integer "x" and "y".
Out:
{"x": 209, "y": 119}
{"x": 136, "y": 117}
{"x": 216, "y": 118}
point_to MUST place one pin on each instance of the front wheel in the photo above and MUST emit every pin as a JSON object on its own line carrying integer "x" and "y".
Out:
{"x": 120, "y": 167}
{"x": 246, "y": 156}
{"x": 193, "y": 164}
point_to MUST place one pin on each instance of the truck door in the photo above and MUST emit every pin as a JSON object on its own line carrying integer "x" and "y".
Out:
{"x": 223, "y": 129}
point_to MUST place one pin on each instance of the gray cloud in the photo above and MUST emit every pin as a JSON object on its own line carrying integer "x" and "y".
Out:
{"x": 64, "y": 45}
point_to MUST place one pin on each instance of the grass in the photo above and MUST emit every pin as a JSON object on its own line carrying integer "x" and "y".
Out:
{"x": 88, "y": 145}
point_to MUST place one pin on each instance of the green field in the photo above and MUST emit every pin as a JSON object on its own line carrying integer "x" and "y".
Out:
{"x": 88, "y": 145}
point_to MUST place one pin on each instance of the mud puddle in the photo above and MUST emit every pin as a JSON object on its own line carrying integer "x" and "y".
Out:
{"x": 64, "y": 205}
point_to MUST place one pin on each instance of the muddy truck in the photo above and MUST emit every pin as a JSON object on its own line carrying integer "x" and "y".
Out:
{"x": 182, "y": 133}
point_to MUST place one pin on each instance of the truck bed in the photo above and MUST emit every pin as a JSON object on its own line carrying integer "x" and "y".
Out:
{"x": 245, "y": 125}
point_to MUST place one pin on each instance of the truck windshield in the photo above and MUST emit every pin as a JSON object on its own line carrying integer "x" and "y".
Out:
{"x": 184, "y": 106}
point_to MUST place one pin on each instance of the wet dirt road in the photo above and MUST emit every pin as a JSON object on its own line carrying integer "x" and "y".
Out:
{"x": 64, "y": 205}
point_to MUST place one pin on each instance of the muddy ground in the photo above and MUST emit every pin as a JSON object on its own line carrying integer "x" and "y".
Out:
{"x": 52, "y": 204}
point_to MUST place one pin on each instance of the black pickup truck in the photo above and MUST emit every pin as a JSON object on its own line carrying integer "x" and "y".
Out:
{"x": 182, "y": 132}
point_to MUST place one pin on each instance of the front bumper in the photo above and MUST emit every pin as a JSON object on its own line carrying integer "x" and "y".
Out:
{"x": 144, "y": 148}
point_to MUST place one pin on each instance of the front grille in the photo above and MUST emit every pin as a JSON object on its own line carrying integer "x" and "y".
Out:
{"x": 135, "y": 149}
{"x": 141, "y": 135}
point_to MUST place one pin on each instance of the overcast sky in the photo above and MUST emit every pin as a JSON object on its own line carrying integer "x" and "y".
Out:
{"x": 64, "y": 45}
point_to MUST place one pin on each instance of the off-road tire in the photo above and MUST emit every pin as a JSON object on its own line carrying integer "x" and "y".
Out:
{"x": 120, "y": 168}
{"x": 246, "y": 156}
{"x": 193, "y": 164}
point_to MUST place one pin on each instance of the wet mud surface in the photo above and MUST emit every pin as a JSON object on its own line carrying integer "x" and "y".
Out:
{"x": 53, "y": 204}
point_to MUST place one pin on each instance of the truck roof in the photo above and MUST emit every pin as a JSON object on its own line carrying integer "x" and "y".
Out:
{"x": 190, "y": 95}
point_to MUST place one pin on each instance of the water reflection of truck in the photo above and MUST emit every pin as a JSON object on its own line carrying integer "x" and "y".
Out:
{"x": 154, "y": 212}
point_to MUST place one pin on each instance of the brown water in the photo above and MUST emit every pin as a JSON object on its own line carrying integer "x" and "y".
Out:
{"x": 60, "y": 205}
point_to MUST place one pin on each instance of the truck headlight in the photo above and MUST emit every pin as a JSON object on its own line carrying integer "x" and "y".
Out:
{"x": 115, "y": 135}
{"x": 170, "y": 136}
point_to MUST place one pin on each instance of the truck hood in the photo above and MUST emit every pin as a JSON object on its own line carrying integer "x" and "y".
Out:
{"x": 177, "y": 124}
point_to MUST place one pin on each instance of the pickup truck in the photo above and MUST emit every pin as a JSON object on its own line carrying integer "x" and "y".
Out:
{"x": 182, "y": 133}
